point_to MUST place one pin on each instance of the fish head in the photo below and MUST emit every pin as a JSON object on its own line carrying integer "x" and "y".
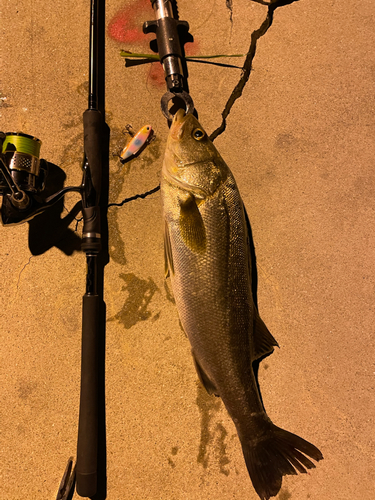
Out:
{"x": 191, "y": 160}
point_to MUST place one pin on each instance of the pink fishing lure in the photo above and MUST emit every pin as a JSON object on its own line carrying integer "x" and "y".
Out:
{"x": 136, "y": 144}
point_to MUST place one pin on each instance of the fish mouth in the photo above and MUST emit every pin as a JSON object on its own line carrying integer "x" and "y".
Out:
{"x": 179, "y": 116}
{"x": 177, "y": 128}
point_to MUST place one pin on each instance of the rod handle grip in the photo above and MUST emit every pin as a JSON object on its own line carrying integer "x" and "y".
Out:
{"x": 93, "y": 138}
{"x": 87, "y": 446}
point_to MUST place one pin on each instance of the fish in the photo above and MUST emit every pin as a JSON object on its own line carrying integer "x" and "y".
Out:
{"x": 137, "y": 143}
{"x": 208, "y": 260}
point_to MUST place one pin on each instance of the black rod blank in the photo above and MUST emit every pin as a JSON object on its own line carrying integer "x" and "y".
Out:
{"x": 93, "y": 66}
{"x": 92, "y": 304}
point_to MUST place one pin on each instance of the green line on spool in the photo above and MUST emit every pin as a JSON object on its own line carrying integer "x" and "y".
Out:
{"x": 22, "y": 143}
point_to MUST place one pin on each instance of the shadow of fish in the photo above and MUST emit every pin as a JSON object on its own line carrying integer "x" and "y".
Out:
{"x": 208, "y": 259}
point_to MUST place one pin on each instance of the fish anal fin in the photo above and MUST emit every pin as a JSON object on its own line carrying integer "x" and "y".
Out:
{"x": 203, "y": 377}
{"x": 264, "y": 342}
{"x": 191, "y": 223}
{"x": 168, "y": 260}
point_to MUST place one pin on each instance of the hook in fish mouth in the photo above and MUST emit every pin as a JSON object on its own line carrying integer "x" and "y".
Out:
{"x": 183, "y": 96}
{"x": 179, "y": 116}
{"x": 177, "y": 126}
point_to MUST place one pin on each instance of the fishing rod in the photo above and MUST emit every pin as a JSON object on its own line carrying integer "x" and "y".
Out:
{"x": 25, "y": 188}
{"x": 92, "y": 305}
{"x": 170, "y": 36}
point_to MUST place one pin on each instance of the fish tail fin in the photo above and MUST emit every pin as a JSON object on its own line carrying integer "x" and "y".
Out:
{"x": 277, "y": 454}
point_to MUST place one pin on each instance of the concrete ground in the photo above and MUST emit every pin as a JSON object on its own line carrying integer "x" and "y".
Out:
{"x": 300, "y": 142}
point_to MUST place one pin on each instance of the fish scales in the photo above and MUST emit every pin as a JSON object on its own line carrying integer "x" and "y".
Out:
{"x": 208, "y": 260}
{"x": 212, "y": 301}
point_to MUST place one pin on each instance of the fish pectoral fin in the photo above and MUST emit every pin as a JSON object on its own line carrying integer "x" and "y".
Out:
{"x": 168, "y": 260}
{"x": 203, "y": 377}
{"x": 264, "y": 342}
{"x": 192, "y": 227}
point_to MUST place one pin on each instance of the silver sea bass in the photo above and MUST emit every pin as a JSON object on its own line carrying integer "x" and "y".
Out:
{"x": 208, "y": 260}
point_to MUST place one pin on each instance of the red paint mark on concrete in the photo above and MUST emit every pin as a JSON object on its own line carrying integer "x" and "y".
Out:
{"x": 126, "y": 27}
{"x": 156, "y": 75}
{"x": 192, "y": 48}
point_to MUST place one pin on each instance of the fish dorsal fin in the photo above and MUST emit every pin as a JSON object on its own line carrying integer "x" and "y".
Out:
{"x": 192, "y": 227}
{"x": 251, "y": 259}
{"x": 168, "y": 260}
{"x": 264, "y": 342}
{"x": 203, "y": 377}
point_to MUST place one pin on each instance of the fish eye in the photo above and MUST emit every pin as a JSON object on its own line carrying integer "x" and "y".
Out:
{"x": 198, "y": 134}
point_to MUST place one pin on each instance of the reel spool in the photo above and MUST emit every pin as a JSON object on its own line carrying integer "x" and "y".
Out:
{"x": 21, "y": 153}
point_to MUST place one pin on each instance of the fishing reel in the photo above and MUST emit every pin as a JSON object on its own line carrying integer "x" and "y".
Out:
{"x": 23, "y": 177}
{"x": 21, "y": 168}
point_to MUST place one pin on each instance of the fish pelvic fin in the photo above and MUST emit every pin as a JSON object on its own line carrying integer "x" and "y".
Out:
{"x": 264, "y": 341}
{"x": 276, "y": 454}
{"x": 204, "y": 378}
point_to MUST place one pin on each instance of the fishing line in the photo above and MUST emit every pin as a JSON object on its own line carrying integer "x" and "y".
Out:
{"x": 24, "y": 143}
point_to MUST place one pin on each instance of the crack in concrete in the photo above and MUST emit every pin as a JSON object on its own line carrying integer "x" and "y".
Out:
{"x": 247, "y": 67}
{"x": 19, "y": 276}
{"x": 135, "y": 197}
{"x": 229, "y": 4}
{"x": 22, "y": 270}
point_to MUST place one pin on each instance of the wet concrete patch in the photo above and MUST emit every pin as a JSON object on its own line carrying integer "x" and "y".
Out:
{"x": 284, "y": 494}
{"x": 135, "y": 308}
{"x": 26, "y": 388}
{"x": 221, "y": 448}
{"x": 208, "y": 407}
